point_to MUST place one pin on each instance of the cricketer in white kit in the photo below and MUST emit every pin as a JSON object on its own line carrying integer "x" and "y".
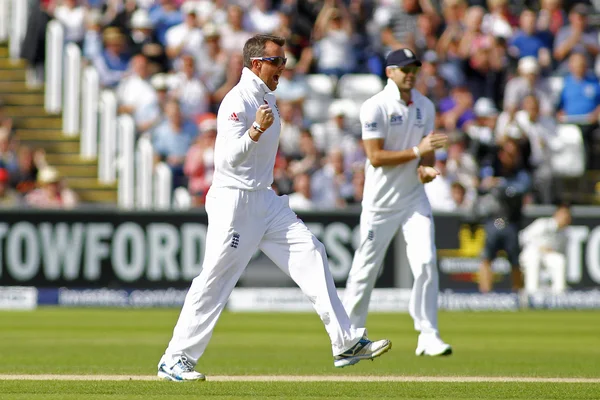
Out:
{"x": 544, "y": 246}
{"x": 397, "y": 131}
{"x": 245, "y": 214}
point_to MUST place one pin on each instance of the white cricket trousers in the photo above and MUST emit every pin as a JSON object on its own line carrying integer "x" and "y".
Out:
{"x": 532, "y": 260}
{"x": 239, "y": 223}
{"x": 377, "y": 229}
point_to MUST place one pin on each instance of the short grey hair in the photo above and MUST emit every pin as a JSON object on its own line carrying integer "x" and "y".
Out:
{"x": 255, "y": 47}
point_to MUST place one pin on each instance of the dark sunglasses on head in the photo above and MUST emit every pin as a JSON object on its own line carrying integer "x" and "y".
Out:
{"x": 276, "y": 61}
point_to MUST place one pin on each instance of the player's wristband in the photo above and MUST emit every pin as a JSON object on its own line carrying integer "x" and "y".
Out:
{"x": 256, "y": 126}
{"x": 417, "y": 152}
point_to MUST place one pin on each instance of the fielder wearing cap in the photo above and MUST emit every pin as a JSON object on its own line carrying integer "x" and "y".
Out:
{"x": 397, "y": 131}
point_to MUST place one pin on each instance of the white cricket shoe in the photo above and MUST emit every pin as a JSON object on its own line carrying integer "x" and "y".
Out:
{"x": 364, "y": 349}
{"x": 432, "y": 345}
{"x": 182, "y": 371}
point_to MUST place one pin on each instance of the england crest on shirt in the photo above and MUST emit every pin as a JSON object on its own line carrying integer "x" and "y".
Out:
{"x": 419, "y": 118}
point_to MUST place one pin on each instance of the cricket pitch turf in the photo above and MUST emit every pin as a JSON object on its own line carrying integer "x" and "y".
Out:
{"x": 107, "y": 354}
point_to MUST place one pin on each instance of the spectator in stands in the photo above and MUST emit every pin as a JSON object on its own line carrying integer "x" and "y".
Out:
{"x": 212, "y": 64}
{"x": 112, "y": 64}
{"x": 235, "y": 64}
{"x": 457, "y": 109}
{"x": 499, "y": 21}
{"x": 292, "y": 86}
{"x": 551, "y": 17}
{"x": 358, "y": 186}
{"x": 448, "y": 50}
{"x": 397, "y": 22}
{"x": 580, "y": 103}
{"x": 528, "y": 82}
{"x": 291, "y": 126}
{"x": 160, "y": 84}
{"x": 9, "y": 198}
{"x": 533, "y": 132}
{"x": 71, "y": 15}
{"x": 23, "y": 179}
{"x": 439, "y": 191}
{"x": 8, "y": 157}
{"x": 172, "y": 139}
{"x": 335, "y": 131}
{"x": 120, "y": 13}
{"x": 461, "y": 166}
{"x": 481, "y": 130}
{"x": 301, "y": 198}
{"x": 528, "y": 42}
{"x": 185, "y": 38}
{"x": 426, "y": 36}
{"x": 137, "y": 97}
{"x": 52, "y": 192}
{"x": 332, "y": 183}
{"x": 163, "y": 17}
{"x": 429, "y": 81}
{"x": 33, "y": 48}
{"x": 577, "y": 37}
{"x": 187, "y": 87}
{"x": 309, "y": 158}
{"x": 333, "y": 49}
{"x": 92, "y": 39}
{"x": 199, "y": 162}
{"x": 544, "y": 247}
{"x": 504, "y": 185}
{"x": 459, "y": 194}
{"x": 233, "y": 35}
{"x": 212, "y": 11}
{"x": 485, "y": 57}
{"x": 261, "y": 18}
{"x": 143, "y": 40}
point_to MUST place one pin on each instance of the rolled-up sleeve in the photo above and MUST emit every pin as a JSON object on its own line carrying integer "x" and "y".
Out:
{"x": 234, "y": 123}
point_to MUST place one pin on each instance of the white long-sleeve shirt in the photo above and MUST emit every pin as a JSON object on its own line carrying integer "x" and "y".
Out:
{"x": 240, "y": 162}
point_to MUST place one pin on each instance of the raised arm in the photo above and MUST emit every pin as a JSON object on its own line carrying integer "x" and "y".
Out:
{"x": 232, "y": 123}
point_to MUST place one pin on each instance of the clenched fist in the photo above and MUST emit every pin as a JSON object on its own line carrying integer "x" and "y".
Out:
{"x": 432, "y": 142}
{"x": 264, "y": 116}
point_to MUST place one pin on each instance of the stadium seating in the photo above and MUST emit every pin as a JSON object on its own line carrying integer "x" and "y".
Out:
{"x": 359, "y": 87}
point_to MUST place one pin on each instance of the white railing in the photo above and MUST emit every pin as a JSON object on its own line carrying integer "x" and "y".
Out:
{"x": 126, "y": 185}
{"x": 54, "y": 58}
{"x": 18, "y": 28}
{"x": 72, "y": 90}
{"x": 4, "y": 20}
{"x": 107, "y": 171}
{"x": 89, "y": 113}
{"x": 163, "y": 186}
{"x": 182, "y": 199}
{"x": 144, "y": 165}
{"x": 93, "y": 113}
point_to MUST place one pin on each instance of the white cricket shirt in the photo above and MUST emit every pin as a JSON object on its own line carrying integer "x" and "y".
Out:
{"x": 402, "y": 126}
{"x": 240, "y": 162}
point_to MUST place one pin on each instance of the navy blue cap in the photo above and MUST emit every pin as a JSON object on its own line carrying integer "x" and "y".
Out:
{"x": 401, "y": 58}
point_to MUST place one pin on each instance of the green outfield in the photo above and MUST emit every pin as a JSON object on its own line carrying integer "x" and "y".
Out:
{"x": 92, "y": 343}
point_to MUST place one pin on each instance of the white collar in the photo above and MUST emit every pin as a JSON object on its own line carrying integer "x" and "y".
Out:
{"x": 394, "y": 93}
{"x": 251, "y": 80}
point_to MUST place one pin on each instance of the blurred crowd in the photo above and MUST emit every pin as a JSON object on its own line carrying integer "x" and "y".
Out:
{"x": 487, "y": 65}
{"x": 26, "y": 179}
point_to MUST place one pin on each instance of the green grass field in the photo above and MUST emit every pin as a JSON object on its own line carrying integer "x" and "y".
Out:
{"x": 130, "y": 342}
